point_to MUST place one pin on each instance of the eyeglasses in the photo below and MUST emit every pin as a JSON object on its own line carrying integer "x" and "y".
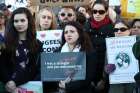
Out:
{"x": 68, "y": 14}
{"x": 122, "y": 29}
{"x": 101, "y": 12}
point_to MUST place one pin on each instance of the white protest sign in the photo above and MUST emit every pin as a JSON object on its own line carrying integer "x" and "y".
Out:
{"x": 51, "y": 39}
{"x": 119, "y": 52}
{"x": 114, "y": 3}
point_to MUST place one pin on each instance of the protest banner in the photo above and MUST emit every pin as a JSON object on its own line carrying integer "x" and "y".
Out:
{"x": 130, "y": 9}
{"x": 60, "y": 2}
{"x": 114, "y": 3}
{"x": 119, "y": 52}
{"x": 31, "y": 87}
{"x": 59, "y": 66}
{"x": 51, "y": 39}
{"x": 16, "y": 4}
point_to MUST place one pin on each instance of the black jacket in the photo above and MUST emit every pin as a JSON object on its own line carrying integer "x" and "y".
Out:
{"x": 98, "y": 35}
{"x": 7, "y": 67}
{"x": 98, "y": 40}
{"x": 84, "y": 86}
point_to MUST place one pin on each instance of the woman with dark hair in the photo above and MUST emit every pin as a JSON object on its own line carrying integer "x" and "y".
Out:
{"x": 83, "y": 39}
{"x": 135, "y": 30}
{"x": 121, "y": 29}
{"x": 20, "y": 58}
{"x": 99, "y": 27}
{"x": 74, "y": 39}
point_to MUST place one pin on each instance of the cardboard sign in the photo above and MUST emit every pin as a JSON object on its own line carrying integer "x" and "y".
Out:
{"x": 119, "y": 52}
{"x": 61, "y": 66}
{"x": 60, "y": 2}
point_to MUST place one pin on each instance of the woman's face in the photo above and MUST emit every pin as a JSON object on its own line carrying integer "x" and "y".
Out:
{"x": 46, "y": 19}
{"x": 136, "y": 28}
{"x": 121, "y": 30}
{"x": 99, "y": 12}
{"x": 71, "y": 34}
{"x": 21, "y": 22}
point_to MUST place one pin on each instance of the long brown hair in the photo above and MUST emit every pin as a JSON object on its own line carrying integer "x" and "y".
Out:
{"x": 83, "y": 40}
{"x": 11, "y": 34}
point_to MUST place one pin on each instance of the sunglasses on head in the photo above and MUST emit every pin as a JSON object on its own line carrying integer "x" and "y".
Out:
{"x": 101, "y": 12}
{"x": 68, "y": 14}
{"x": 122, "y": 29}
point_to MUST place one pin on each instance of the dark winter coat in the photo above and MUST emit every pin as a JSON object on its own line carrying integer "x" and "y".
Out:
{"x": 98, "y": 40}
{"x": 7, "y": 67}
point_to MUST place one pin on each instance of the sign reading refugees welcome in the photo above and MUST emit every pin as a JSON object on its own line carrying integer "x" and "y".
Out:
{"x": 61, "y": 66}
{"x": 51, "y": 39}
{"x": 119, "y": 52}
{"x": 60, "y": 2}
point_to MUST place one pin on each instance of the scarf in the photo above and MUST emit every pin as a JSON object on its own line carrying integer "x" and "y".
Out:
{"x": 65, "y": 48}
{"x": 98, "y": 24}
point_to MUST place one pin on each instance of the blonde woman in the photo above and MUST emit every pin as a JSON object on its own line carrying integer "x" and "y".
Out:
{"x": 46, "y": 19}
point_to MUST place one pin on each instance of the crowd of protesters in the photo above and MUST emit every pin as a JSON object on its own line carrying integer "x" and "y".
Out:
{"x": 85, "y": 29}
